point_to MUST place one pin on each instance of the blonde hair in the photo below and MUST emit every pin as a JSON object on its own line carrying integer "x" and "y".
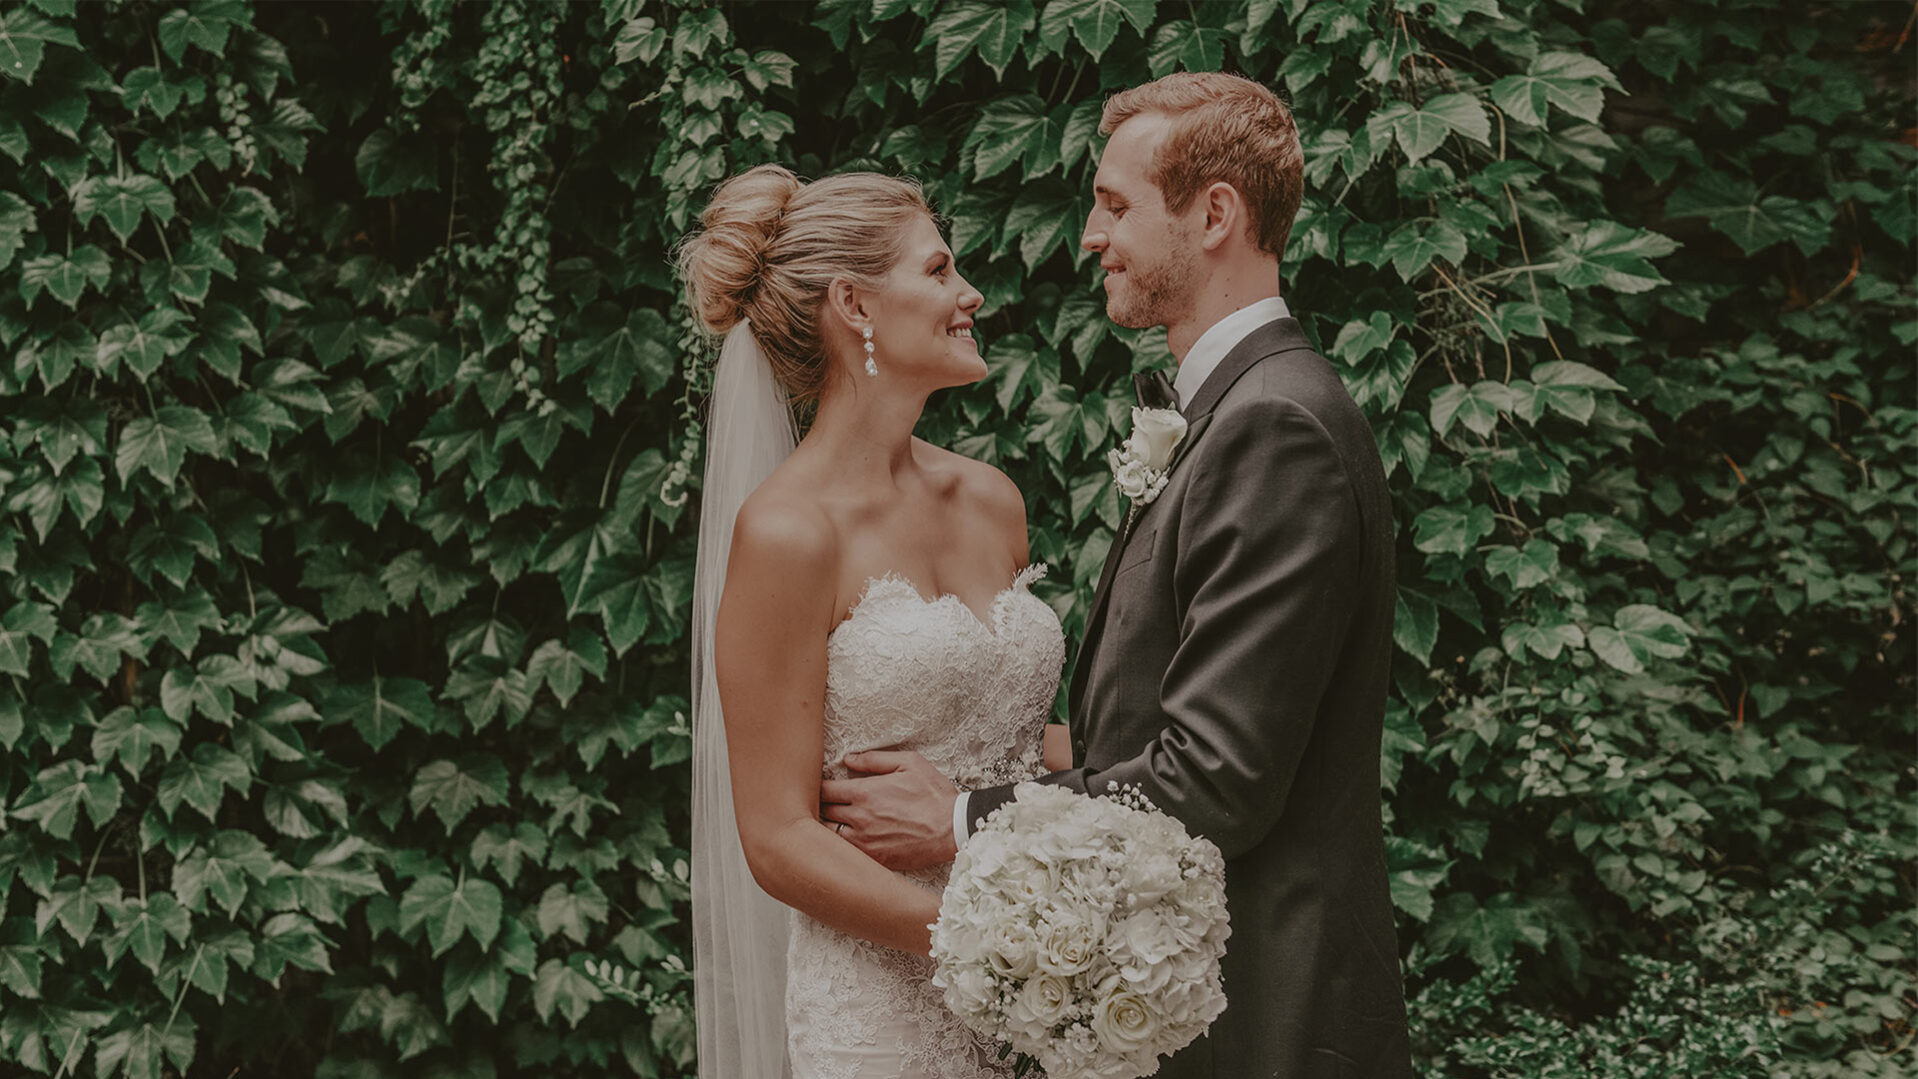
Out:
{"x": 1224, "y": 128}
{"x": 770, "y": 244}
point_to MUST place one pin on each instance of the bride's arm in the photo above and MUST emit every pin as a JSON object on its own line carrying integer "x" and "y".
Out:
{"x": 779, "y": 605}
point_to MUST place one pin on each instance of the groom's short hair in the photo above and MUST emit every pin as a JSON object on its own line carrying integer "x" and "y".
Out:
{"x": 1224, "y": 128}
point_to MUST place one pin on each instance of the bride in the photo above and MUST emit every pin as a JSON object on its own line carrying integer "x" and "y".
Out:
{"x": 858, "y": 590}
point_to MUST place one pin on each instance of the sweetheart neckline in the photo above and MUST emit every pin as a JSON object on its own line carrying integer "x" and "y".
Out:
{"x": 1020, "y": 581}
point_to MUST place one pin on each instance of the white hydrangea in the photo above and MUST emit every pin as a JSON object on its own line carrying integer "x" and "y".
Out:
{"x": 1084, "y": 932}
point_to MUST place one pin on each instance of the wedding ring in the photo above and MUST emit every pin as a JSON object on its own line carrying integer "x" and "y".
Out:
{"x": 839, "y": 826}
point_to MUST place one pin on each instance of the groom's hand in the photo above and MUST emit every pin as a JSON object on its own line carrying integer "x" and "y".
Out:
{"x": 897, "y": 808}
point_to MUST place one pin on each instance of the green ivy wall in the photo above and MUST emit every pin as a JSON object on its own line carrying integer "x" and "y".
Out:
{"x": 348, "y": 486}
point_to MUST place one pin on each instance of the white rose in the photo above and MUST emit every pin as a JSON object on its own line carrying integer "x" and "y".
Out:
{"x": 1068, "y": 944}
{"x": 1124, "y": 1023}
{"x": 1162, "y": 429}
{"x": 1042, "y": 1001}
{"x": 1011, "y": 949}
{"x": 1128, "y": 475}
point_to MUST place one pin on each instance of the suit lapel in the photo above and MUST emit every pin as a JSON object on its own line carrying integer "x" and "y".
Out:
{"x": 1277, "y": 336}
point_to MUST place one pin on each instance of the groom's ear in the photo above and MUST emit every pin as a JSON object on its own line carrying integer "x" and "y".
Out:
{"x": 1225, "y": 215}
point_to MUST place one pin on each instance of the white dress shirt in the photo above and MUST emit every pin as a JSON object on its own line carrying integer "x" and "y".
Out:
{"x": 1199, "y": 363}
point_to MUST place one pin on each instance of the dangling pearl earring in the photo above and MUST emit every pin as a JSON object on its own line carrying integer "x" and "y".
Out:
{"x": 872, "y": 369}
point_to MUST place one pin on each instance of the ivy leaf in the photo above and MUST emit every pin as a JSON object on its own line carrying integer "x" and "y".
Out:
{"x": 439, "y": 588}
{"x": 24, "y": 37}
{"x": 205, "y": 25}
{"x": 1415, "y": 625}
{"x": 1525, "y": 567}
{"x": 207, "y": 689}
{"x": 1488, "y": 932}
{"x": 558, "y": 987}
{"x": 159, "y": 444}
{"x": 1186, "y": 46}
{"x": 207, "y": 967}
{"x": 16, "y": 220}
{"x": 1094, "y": 22}
{"x": 1422, "y": 130}
{"x": 388, "y": 164}
{"x": 96, "y": 648}
{"x": 1733, "y": 206}
{"x": 179, "y": 620}
{"x": 1568, "y": 387}
{"x": 20, "y": 958}
{"x": 448, "y": 910}
{"x": 81, "y": 488}
{"x": 571, "y": 912}
{"x": 290, "y": 939}
{"x": 1450, "y": 530}
{"x": 452, "y": 790}
{"x": 1546, "y": 640}
{"x": 1043, "y": 216}
{"x": 1008, "y": 129}
{"x": 142, "y": 1049}
{"x": 65, "y": 277}
{"x": 144, "y": 926}
{"x": 487, "y": 687}
{"x": 369, "y": 484}
{"x": 1477, "y": 406}
{"x": 475, "y": 976}
{"x": 77, "y": 905}
{"x": 123, "y": 201}
{"x": 995, "y": 29}
{"x": 339, "y": 873}
{"x": 563, "y": 667}
{"x": 1613, "y": 255}
{"x": 1571, "y": 81}
{"x": 508, "y": 847}
{"x": 616, "y": 347}
{"x": 23, "y": 622}
{"x": 202, "y": 780}
{"x": 57, "y": 793}
{"x": 220, "y": 871}
{"x": 134, "y": 737}
{"x": 380, "y": 708}
{"x": 171, "y": 545}
{"x": 1413, "y": 246}
{"x": 144, "y": 345}
{"x": 1639, "y": 633}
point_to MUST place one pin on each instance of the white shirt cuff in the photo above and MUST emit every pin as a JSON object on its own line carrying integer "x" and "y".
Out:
{"x": 959, "y": 830}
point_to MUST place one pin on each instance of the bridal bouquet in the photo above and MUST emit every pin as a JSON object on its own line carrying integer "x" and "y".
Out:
{"x": 1085, "y": 933}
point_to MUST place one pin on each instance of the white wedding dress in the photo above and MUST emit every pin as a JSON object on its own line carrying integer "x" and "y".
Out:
{"x": 972, "y": 697}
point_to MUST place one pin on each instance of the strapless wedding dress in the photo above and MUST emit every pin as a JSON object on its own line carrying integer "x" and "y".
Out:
{"x": 972, "y": 697}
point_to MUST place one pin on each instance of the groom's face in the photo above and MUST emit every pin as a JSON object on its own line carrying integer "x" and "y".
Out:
{"x": 1149, "y": 254}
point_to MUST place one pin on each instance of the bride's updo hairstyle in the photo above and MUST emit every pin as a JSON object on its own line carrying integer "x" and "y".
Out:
{"x": 768, "y": 246}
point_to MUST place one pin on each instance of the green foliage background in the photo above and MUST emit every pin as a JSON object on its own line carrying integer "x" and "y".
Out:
{"x": 348, "y": 421}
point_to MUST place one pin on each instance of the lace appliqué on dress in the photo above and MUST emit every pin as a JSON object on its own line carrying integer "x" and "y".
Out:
{"x": 971, "y": 695}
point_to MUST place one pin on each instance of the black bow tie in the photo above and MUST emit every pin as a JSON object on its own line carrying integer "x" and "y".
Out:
{"x": 1154, "y": 390}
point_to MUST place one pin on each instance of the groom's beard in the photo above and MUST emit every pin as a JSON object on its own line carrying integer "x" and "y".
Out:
{"x": 1158, "y": 293}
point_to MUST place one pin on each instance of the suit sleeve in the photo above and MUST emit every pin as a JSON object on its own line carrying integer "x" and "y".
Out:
{"x": 1266, "y": 571}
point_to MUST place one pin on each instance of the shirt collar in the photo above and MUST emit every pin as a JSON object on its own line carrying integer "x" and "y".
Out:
{"x": 1211, "y": 347}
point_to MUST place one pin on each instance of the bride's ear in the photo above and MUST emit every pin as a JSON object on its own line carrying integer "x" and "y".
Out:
{"x": 846, "y": 307}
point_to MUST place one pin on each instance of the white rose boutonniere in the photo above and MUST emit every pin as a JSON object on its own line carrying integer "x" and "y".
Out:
{"x": 1140, "y": 466}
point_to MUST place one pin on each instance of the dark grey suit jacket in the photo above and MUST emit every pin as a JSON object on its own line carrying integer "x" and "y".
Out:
{"x": 1234, "y": 669}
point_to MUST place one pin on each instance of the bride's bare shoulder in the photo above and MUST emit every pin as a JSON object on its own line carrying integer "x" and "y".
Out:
{"x": 782, "y": 530}
{"x": 983, "y": 489}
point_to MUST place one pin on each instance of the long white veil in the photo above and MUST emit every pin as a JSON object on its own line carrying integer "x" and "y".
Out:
{"x": 739, "y": 932}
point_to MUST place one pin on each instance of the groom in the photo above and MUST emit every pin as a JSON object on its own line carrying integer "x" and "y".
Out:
{"x": 1235, "y": 657}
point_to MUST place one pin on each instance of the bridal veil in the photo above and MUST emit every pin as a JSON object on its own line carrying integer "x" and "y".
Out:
{"x": 739, "y": 932}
